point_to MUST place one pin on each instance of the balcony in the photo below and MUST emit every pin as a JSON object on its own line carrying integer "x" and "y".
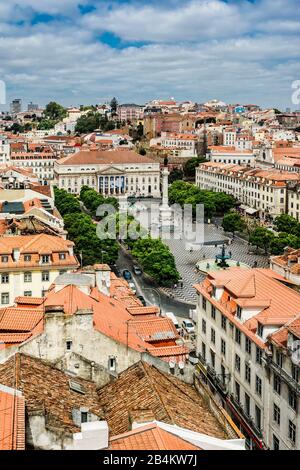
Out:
{"x": 292, "y": 383}
{"x": 245, "y": 417}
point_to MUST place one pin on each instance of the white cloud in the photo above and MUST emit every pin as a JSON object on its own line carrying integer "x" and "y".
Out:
{"x": 195, "y": 53}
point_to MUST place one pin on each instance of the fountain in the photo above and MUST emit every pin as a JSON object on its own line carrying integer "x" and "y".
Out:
{"x": 221, "y": 261}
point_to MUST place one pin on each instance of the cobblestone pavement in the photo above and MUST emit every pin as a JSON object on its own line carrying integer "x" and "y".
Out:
{"x": 186, "y": 260}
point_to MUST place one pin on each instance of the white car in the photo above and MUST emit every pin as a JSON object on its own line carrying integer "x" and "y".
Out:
{"x": 188, "y": 326}
{"x": 132, "y": 287}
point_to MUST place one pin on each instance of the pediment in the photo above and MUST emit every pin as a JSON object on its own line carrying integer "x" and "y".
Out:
{"x": 111, "y": 170}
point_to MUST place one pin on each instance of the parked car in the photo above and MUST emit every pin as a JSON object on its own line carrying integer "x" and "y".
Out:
{"x": 141, "y": 298}
{"x": 188, "y": 326}
{"x": 132, "y": 287}
{"x": 127, "y": 274}
{"x": 137, "y": 270}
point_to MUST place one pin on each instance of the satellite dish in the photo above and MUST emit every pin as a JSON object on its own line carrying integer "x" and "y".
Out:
{"x": 181, "y": 365}
{"x": 172, "y": 364}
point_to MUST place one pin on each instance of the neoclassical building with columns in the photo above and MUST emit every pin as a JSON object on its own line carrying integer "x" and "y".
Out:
{"x": 110, "y": 172}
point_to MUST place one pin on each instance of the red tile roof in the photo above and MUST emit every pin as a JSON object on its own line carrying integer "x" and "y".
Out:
{"x": 12, "y": 420}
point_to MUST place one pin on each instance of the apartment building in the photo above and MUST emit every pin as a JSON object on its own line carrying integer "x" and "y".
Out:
{"x": 265, "y": 192}
{"x": 130, "y": 112}
{"x": 30, "y": 263}
{"x": 231, "y": 155}
{"x": 4, "y": 150}
{"x": 111, "y": 172}
{"x": 229, "y": 137}
{"x": 37, "y": 157}
{"x": 241, "y": 322}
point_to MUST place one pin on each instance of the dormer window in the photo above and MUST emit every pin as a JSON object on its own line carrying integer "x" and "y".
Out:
{"x": 45, "y": 259}
{"x": 62, "y": 256}
{"x": 4, "y": 259}
{"x": 27, "y": 258}
{"x": 260, "y": 330}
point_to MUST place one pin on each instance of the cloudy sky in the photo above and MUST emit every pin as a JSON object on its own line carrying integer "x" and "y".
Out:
{"x": 86, "y": 51}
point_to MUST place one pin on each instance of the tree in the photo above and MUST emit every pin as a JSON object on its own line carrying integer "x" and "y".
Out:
{"x": 46, "y": 124}
{"x": 233, "y": 222}
{"x": 175, "y": 174}
{"x": 142, "y": 151}
{"x": 286, "y": 223}
{"x": 55, "y": 111}
{"x": 191, "y": 165}
{"x": 114, "y": 105}
{"x": 261, "y": 237}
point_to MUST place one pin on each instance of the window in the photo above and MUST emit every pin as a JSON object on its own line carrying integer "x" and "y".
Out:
{"x": 238, "y": 336}
{"x": 212, "y": 358}
{"x": 258, "y": 417}
{"x": 45, "y": 276}
{"x": 277, "y": 384}
{"x": 62, "y": 255}
{"x": 224, "y": 322}
{"x": 27, "y": 293}
{"x": 247, "y": 404}
{"x": 295, "y": 372}
{"x": 239, "y": 312}
{"x": 292, "y": 432}
{"x": 276, "y": 414}
{"x": 237, "y": 363}
{"x": 278, "y": 358}
{"x": 27, "y": 258}
{"x": 247, "y": 373}
{"x": 112, "y": 363}
{"x": 203, "y": 326}
{"x": 204, "y": 351}
{"x": 213, "y": 312}
{"x": 68, "y": 345}
{"x": 45, "y": 259}
{"x": 293, "y": 399}
{"x": 213, "y": 336}
{"x": 204, "y": 303}
{"x": 258, "y": 355}
{"x": 258, "y": 385}
{"x": 4, "y": 278}
{"x": 5, "y": 298}
{"x": 248, "y": 345}
{"x": 237, "y": 391}
{"x": 260, "y": 330}
{"x": 275, "y": 442}
{"x": 84, "y": 416}
{"x": 223, "y": 347}
{"x": 27, "y": 277}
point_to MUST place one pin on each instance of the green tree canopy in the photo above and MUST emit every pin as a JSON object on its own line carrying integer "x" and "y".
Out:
{"x": 233, "y": 222}
{"x": 55, "y": 111}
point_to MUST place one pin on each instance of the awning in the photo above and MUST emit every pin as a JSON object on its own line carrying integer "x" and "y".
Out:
{"x": 243, "y": 207}
{"x": 251, "y": 211}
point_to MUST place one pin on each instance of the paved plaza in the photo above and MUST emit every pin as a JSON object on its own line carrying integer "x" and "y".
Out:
{"x": 186, "y": 260}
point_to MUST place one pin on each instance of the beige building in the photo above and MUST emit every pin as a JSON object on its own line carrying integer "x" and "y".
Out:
{"x": 111, "y": 172}
{"x": 240, "y": 315}
{"x": 265, "y": 192}
{"x": 30, "y": 263}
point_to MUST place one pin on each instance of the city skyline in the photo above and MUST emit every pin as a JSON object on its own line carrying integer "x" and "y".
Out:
{"x": 235, "y": 51}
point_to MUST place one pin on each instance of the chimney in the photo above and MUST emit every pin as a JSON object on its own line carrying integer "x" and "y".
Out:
{"x": 93, "y": 436}
{"x": 103, "y": 278}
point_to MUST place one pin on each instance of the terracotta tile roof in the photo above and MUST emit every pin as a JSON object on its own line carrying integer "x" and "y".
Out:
{"x": 143, "y": 310}
{"x": 143, "y": 387}
{"x": 155, "y": 329}
{"x": 28, "y": 300}
{"x": 104, "y": 157}
{"x": 47, "y": 389}
{"x": 149, "y": 437}
{"x": 19, "y": 320}
{"x": 261, "y": 288}
{"x": 36, "y": 245}
{"x": 12, "y": 420}
{"x": 12, "y": 338}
